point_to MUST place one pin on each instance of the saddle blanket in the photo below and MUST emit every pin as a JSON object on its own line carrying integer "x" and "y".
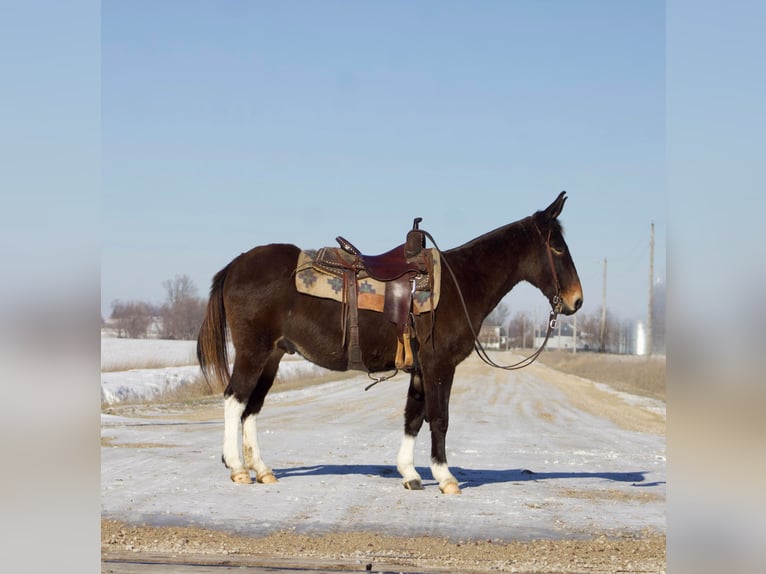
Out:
{"x": 371, "y": 292}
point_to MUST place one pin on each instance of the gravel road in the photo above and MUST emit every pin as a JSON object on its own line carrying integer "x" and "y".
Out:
{"x": 559, "y": 474}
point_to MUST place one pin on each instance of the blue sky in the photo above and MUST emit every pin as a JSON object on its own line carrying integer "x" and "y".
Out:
{"x": 161, "y": 159}
{"x": 229, "y": 125}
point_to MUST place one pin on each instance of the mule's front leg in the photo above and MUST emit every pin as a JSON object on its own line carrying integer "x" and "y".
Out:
{"x": 447, "y": 483}
{"x": 438, "y": 417}
{"x": 414, "y": 413}
{"x": 232, "y": 416}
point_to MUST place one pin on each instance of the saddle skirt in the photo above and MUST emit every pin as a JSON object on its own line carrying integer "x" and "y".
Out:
{"x": 320, "y": 273}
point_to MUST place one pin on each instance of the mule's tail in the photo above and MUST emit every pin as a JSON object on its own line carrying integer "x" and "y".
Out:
{"x": 212, "y": 345}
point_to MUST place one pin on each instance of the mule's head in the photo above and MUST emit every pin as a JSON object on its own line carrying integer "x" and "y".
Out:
{"x": 556, "y": 273}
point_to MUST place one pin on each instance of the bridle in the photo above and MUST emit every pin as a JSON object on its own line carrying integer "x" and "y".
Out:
{"x": 556, "y": 304}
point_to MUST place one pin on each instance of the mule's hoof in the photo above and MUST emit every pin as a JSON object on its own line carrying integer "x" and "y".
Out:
{"x": 413, "y": 484}
{"x": 241, "y": 477}
{"x": 267, "y": 478}
{"x": 450, "y": 488}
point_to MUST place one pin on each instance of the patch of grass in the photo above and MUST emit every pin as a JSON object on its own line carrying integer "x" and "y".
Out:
{"x": 198, "y": 388}
{"x": 629, "y": 373}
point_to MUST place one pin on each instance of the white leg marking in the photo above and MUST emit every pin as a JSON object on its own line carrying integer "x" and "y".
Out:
{"x": 447, "y": 482}
{"x": 251, "y": 450}
{"x": 232, "y": 414}
{"x": 405, "y": 461}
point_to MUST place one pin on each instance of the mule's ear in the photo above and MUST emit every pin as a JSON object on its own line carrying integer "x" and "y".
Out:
{"x": 555, "y": 208}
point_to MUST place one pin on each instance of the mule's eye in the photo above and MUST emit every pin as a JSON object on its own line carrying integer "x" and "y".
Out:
{"x": 558, "y": 249}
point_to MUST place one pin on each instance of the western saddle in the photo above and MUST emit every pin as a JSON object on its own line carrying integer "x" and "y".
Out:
{"x": 403, "y": 269}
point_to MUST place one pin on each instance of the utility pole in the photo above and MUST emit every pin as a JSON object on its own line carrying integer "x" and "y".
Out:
{"x": 524, "y": 331}
{"x": 603, "y": 313}
{"x": 649, "y": 347}
{"x": 574, "y": 334}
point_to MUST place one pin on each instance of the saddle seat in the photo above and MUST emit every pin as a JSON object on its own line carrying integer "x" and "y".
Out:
{"x": 387, "y": 266}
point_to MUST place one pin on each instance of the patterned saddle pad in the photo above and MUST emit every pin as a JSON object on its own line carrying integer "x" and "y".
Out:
{"x": 372, "y": 293}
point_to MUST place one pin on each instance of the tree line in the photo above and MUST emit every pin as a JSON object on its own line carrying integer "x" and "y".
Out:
{"x": 179, "y": 317}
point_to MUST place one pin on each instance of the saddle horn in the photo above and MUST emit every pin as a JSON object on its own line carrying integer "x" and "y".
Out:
{"x": 416, "y": 241}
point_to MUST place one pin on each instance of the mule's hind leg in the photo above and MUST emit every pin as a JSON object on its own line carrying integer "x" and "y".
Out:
{"x": 244, "y": 378}
{"x": 232, "y": 415}
{"x": 250, "y": 448}
{"x": 414, "y": 414}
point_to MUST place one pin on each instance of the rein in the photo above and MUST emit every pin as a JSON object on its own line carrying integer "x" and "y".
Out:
{"x": 555, "y": 309}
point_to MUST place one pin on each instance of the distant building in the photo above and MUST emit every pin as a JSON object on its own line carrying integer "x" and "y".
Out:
{"x": 493, "y": 337}
{"x": 562, "y": 337}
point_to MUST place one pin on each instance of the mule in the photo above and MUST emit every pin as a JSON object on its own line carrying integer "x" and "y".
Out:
{"x": 255, "y": 295}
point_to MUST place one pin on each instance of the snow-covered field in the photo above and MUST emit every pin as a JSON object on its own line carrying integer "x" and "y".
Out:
{"x": 537, "y": 454}
{"x": 141, "y": 370}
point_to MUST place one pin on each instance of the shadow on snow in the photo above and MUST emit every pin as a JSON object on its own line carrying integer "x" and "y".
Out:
{"x": 467, "y": 477}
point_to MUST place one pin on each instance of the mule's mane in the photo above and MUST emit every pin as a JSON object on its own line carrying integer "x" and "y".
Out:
{"x": 510, "y": 231}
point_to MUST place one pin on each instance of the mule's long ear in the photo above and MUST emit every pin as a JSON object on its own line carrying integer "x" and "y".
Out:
{"x": 555, "y": 208}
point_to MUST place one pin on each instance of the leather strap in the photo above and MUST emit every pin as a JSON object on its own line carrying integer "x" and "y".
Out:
{"x": 354, "y": 351}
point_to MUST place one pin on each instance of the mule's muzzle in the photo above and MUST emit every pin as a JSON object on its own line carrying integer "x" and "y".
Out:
{"x": 571, "y": 302}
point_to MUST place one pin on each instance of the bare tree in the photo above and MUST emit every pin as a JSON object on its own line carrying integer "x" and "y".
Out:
{"x": 179, "y": 288}
{"x": 521, "y": 331}
{"x": 616, "y": 336}
{"x": 498, "y": 315}
{"x": 589, "y": 329}
{"x": 183, "y": 311}
{"x": 132, "y": 319}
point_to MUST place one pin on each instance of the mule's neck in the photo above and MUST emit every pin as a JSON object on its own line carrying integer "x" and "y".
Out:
{"x": 492, "y": 264}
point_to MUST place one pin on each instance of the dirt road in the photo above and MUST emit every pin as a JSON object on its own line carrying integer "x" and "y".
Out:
{"x": 558, "y": 475}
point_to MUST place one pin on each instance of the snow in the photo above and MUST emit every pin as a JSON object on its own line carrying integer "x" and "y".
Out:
{"x": 137, "y": 385}
{"x": 131, "y": 383}
{"x": 530, "y": 464}
{"x": 122, "y": 353}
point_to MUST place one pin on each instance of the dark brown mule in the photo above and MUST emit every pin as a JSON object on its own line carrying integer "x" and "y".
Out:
{"x": 267, "y": 317}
